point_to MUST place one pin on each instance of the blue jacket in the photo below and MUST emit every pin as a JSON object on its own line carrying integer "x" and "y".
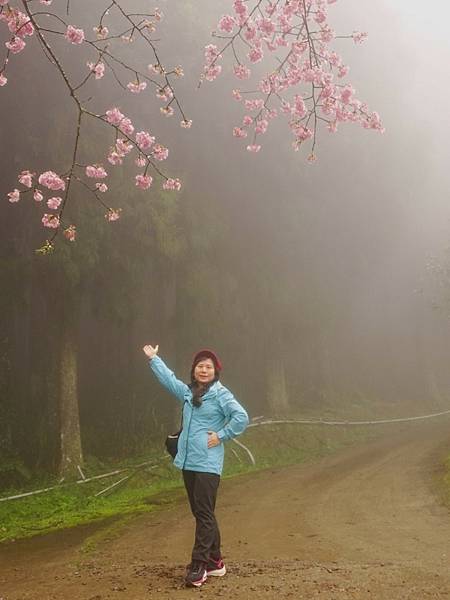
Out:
{"x": 219, "y": 412}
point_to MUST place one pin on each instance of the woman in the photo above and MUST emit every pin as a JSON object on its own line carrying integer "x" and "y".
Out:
{"x": 211, "y": 415}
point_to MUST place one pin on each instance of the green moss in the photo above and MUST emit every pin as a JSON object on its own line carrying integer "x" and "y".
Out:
{"x": 150, "y": 489}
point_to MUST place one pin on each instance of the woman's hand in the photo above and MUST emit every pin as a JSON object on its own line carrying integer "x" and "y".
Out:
{"x": 213, "y": 439}
{"x": 151, "y": 351}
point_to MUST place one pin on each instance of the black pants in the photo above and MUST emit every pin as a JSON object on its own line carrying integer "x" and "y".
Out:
{"x": 202, "y": 492}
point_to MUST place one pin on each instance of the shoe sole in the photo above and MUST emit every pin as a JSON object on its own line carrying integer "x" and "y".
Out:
{"x": 196, "y": 583}
{"x": 217, "y": 572}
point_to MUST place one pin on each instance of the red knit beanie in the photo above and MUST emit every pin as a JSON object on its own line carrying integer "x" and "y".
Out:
{"x": 205, "y": 353}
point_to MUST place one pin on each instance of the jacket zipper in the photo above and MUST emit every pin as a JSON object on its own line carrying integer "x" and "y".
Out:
{"x": 187, "y": 439}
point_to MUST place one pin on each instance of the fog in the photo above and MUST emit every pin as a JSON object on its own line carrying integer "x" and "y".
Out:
{"x": 322, "y": 267}
{"x": 370, "y": 212}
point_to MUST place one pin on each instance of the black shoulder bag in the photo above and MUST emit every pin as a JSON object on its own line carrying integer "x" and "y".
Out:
{"x": 171, "y": 442}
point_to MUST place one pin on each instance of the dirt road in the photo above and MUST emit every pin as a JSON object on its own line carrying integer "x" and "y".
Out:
{"x": 366, "y": 523}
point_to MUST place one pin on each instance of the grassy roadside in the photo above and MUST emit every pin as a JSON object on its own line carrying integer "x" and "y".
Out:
{"x": 445, "y": 481}
{"x": 160, "y": 485}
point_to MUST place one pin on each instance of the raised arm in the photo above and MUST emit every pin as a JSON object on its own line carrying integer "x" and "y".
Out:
{"x": 165, "y": 376}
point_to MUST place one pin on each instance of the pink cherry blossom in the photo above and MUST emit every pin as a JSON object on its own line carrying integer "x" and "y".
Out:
{"x": 160, "y": 152}
{"x": 250, "y": 33}
{"x": 239, "y": 132}
{"x": 212, "y": 73}
{"x": 26, "y": 178}
{"x": 37, "y": 195}
{"x": 320, "y": 16}
{"x": 326, "y": 33}
{"x": 135, "y": 87}
{"x": 164, "y": 93}
{"x": 26, "y": 28}
{"x": 51, "y": 221}
{"x": 3, "y": 80}
{"x": 144, "y": 140}
{"x": 14, "y": 196}
{"x": 96, "y": 171}
{"x": 242, "y": 72}
{"x": 46, "y": 2}
{"x": 186, "y": 123}
{"x": 114, "y": 158}
{"x": 255, "y": 55}
{"x": 140, "y": 161}
{"x": 211, "y": 53}
{"x": 113, "y": 214}
{"x": 143, "y": 181}
{"x": 70, "y": 233}
{"x": 359, "y": 36}
{"x": 347, "y": 94}
{"x": 52, "y": 181}
{"x": 54, "y": 203}
{"x": 126, "y": 126}
{"x": 101, "y": 32}
{"x": 286, "y": 107}
{"x": 114, "y": 116}
{"x": 266, "y": 26}
{"x": 299, "y": 107}
{"x": 373, "y": 121}
{"x": 172, "y": 184}
{"x": 253, "y": 148}
{"x": 227, "y": 23}
{"x": 19, "y": 23}
{"x": 301, "y": 132}
{"x": 123, "y": 147}
{"x": 97, "y": 68}
{"x": 158, "y": 69}
{"x": 261, "y": 126}
{"x": 101, "y": 187}
{"x": 167, "y": 111}
{"x": 256, "y": 104}
{"x": 16, "y": 45}
{"x": 73, "y": 35}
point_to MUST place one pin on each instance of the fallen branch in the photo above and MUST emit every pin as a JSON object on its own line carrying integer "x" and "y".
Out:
{"x": 241, "y": 445}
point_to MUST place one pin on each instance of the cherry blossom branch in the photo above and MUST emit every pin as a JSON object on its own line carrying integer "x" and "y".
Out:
{"x": 22, "y": 24}
{"x": 287, "y": 31}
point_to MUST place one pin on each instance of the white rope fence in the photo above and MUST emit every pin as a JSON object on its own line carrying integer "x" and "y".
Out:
{"x": 324, "y": 422}
{"x": 84, "y": 480}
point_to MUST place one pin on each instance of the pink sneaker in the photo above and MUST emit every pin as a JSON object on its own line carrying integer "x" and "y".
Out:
{"x": 215, "y": 568}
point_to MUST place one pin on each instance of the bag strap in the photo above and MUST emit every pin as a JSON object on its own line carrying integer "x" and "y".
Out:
{"x": 181, "y": 424}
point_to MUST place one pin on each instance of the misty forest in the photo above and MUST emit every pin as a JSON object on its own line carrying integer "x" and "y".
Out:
{"x": 320, "y": 277}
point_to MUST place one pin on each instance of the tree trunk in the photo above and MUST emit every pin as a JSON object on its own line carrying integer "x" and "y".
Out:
{"x": 71, "y": 452}
{"x": 277, "y": 395}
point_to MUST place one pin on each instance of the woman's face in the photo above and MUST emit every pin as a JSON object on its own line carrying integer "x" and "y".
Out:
{"x": 204, "y": 371}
